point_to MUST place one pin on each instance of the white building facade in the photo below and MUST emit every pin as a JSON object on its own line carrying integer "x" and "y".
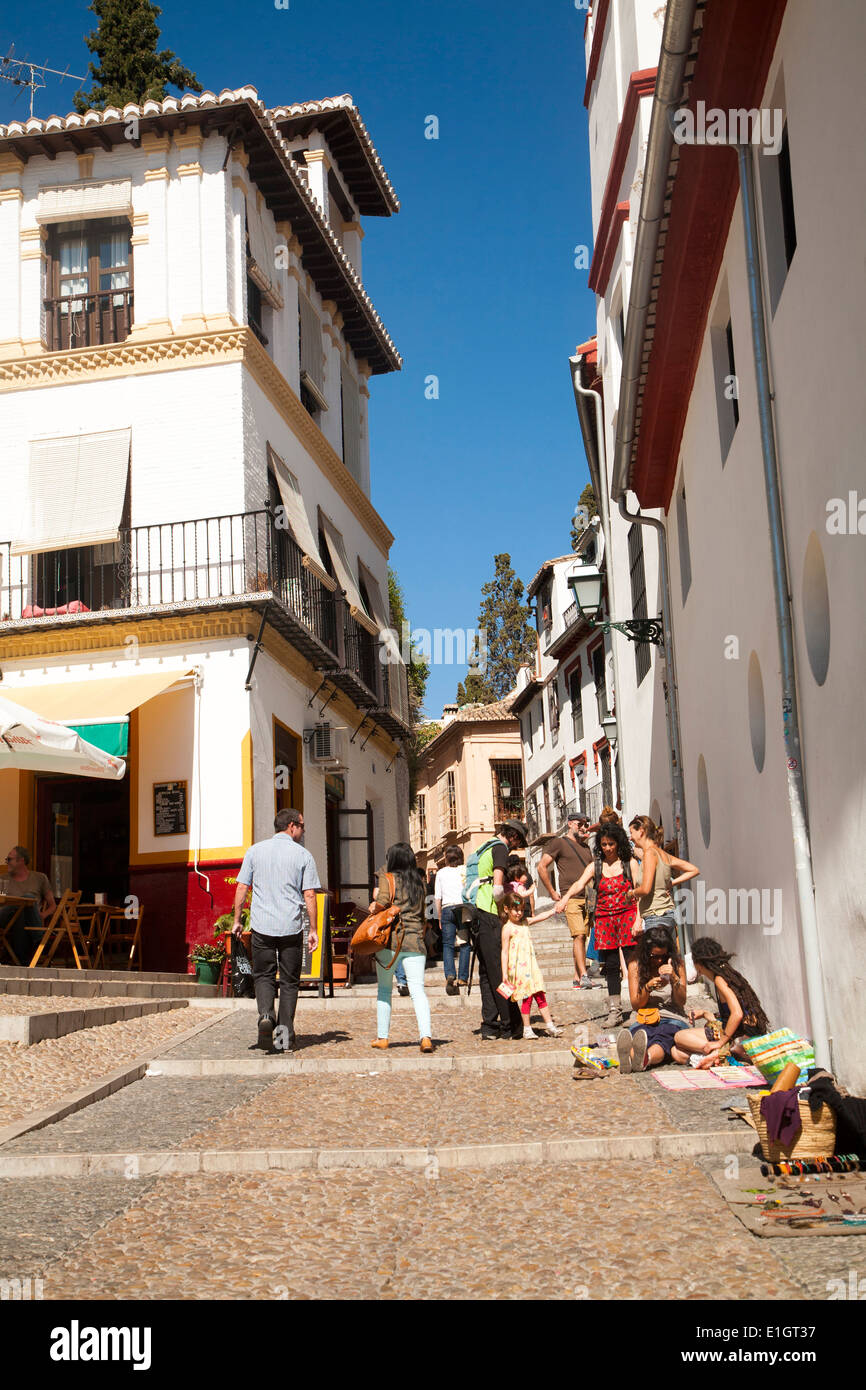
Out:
{"x": 192, "y": 563}
{"x": 566, "y": 702}
{"x": 690, "y": 451}
{"x": 622, "y": 44}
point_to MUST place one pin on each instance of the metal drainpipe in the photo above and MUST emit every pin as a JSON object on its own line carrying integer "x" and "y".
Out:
{"x": 601, "y": 452}
{"x": 672, "y": 700}
{"x": 784, "y": 626}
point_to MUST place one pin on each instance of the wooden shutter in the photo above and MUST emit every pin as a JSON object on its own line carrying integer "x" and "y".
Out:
{"x": 351, "y": 422}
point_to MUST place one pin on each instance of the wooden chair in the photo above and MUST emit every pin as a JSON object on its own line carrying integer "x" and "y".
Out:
{"x": 118, "y": 930}
{"x": 5, "y": 943}
{"x": 64, "y": 927}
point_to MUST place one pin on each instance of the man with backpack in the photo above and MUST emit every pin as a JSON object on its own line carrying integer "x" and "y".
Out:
{"x": 486, "y": 885}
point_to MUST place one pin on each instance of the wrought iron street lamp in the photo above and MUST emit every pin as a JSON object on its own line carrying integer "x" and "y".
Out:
{"x": 586, "y": 583}
{"x": 608, "y": 725}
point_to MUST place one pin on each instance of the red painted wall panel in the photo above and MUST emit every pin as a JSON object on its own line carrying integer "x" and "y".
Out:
{"x": 178, "y": 911}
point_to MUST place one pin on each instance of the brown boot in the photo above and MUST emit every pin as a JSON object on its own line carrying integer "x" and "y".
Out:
{"x": 426, "y": 1045}
{"x": 380, "y": 1042}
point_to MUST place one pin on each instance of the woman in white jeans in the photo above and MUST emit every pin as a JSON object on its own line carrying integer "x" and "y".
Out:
{"x": 411, "y": 897}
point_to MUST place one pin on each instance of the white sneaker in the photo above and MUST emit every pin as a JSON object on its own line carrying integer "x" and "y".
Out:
{"x": 529, "y": 1033}
{"x": 552, "y": 1031}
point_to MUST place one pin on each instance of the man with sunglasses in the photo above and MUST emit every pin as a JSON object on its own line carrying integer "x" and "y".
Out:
{"x": 284, "y": 879}
{"x": 22, "y": 882}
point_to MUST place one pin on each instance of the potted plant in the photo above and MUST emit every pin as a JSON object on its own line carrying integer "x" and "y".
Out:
{"x": 208, "y": 957}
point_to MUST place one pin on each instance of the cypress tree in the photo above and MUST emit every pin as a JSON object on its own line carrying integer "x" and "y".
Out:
{"x": 130, "y": 68}
{"x": 587, "y": 507}
{"x": 510, "y": 638}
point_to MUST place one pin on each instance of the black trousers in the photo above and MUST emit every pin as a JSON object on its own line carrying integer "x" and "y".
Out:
{"x": 611, "y": 969}
{"x": 497, "y": 1014}
{"x": 267, "y": 952}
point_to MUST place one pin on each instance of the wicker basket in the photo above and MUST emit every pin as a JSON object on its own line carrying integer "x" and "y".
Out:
{"x": 817, "y": 1138}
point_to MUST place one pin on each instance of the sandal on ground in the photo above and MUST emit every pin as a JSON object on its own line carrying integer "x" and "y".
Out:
{"x": 623, "y": 1051}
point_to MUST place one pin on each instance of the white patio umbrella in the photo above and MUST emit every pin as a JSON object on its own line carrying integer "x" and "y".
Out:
{"x": 34, "y": 744}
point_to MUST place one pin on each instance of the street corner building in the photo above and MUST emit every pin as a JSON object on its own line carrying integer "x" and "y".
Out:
{"x": 725, "y": 450}
{"x": 192, "y": 572}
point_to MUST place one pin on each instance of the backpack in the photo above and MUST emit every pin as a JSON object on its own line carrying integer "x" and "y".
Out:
{"x": 473, "y": 882}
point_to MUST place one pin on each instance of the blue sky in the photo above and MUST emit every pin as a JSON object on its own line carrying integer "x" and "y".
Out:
{"x": 474, "y": 279}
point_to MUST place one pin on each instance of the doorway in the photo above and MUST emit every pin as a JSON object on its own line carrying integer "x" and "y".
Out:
{"x": 82, "y": 836}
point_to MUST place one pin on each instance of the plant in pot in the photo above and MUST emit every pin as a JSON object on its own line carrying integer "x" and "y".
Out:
{"x": 208, "y": 957}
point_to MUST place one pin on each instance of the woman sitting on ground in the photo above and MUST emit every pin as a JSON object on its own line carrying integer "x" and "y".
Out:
{"x": 657, "y": 989}
{"x": 740, "y": 1012}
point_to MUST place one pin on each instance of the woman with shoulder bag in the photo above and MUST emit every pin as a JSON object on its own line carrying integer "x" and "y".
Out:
{"x": 410, "y": 896}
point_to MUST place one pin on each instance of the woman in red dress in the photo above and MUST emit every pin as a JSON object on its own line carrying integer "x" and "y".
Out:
{"x": 616, "y": 919}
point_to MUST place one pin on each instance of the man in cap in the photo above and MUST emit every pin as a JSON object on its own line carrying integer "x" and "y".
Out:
{"x": 571, "y": 854}
{"x": 500, "y": 1018}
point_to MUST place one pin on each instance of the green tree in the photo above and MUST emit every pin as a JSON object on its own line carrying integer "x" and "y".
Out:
{"x": 504, "y": 617}
{"x": 587, "y": 507}
{"x": 476, "y": 690}
{"x": 130, "y": 68}
{"x": 418, "y": 673}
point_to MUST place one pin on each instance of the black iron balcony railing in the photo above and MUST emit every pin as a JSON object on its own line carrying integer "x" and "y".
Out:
{"x": 362, "y": 651}
{"x": 169, "y": 565}
{"x": 209, "y": 563}
{"x": 87, "y": 320}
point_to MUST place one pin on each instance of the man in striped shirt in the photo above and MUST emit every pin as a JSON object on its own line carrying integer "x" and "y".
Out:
{"x": 284, "y": 879}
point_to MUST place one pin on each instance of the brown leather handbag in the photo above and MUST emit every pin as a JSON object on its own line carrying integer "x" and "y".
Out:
{"x": 377, "y": 932}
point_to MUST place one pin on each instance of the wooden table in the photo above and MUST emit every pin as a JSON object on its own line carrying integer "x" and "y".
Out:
{"x": 10, "y": 900}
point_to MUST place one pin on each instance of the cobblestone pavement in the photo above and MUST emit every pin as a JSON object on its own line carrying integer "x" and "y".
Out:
{"x": 154, "y": 1113}
{"x": 557, "y": 1232}
{"x": 34, "y": 1077}
{"x": 57, "y": 1003}
{"x": 330, "y": 1033}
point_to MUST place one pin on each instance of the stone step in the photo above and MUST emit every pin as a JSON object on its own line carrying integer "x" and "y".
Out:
{"x": 430, "y": 1161}
{"x": 26, "y": 972}
{"x": 546, "y": 1057}
{"x": 28, "y": 1029}
{"x": 79, "y": 984}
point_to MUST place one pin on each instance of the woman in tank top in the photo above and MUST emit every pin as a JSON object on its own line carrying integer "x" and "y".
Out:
{"x": 654, "y": 894}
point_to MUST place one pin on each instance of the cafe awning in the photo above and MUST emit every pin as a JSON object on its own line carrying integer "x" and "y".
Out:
{"x": 76, "y": 488}
{"x": 98, "y": 710}
{"x": 33, "y": 744}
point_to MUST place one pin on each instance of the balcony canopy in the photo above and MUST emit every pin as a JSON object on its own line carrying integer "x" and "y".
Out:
{"x": 76, "y": 488}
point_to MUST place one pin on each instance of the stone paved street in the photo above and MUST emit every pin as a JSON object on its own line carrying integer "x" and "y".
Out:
{"x": 33, "y": 1077}
{"x": 451, "y": 1212}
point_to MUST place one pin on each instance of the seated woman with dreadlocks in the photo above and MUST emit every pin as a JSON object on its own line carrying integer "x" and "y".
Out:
{"x": 740, "y": 1011}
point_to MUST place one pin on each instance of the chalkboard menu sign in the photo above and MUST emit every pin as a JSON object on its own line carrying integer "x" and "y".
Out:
{"x": 169, "y": 808}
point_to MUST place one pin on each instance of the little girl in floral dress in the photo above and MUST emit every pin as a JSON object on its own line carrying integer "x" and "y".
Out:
{"x": 519, "y": 965}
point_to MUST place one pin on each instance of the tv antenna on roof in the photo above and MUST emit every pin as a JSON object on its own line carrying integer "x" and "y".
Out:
{"x": 22, "y": 73}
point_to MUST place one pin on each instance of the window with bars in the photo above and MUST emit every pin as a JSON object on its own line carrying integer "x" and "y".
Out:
{"x": 599, "y": 676}
{"x": 576, "y": 705}
{"x": 557, "y": 783}
{"x": 638, "y": 596}
{"x": 89, "y": 284}
{"x": 507, "y": 788}
{"x": 422, "y": 820}
{"x": 606, "y": 778}
{"x": 545, "y": 796}
{"x": 553, "y": 709}
{"x": 447, "y": 803}
{"x": 532, "y": 817}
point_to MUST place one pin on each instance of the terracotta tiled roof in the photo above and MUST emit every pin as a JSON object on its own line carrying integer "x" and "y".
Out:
{"x": 363, "y": 327}
{"x": 496, "y": 712}
{"x": 539, "y": 574}
{"x": 340, "y": 122}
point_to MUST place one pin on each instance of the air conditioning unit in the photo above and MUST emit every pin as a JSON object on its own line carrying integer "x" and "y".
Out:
{"x": 324, "y": 745}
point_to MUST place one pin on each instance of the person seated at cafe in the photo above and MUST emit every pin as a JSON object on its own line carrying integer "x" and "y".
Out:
{"x": 23, "y": 882}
